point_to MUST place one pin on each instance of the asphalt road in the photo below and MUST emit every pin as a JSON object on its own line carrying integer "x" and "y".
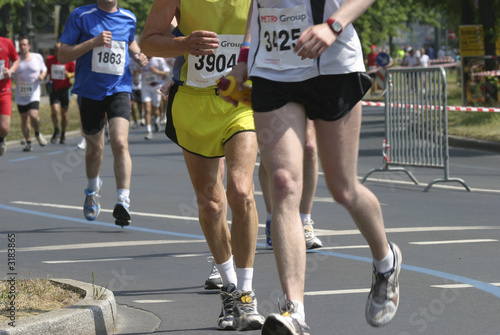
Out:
{"x": 449, "y": 238}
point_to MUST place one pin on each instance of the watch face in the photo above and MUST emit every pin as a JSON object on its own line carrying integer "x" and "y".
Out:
{"x": 336, "y": 27}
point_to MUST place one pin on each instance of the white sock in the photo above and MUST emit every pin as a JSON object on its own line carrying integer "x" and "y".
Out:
{"x": 305, "y": 217}
{"x": 245, "y": 278}
{"x": 227, "y": 273}
{"x": 300, "y": 309}
{"x": 123, "y": 192}
{"x": 93, "y": 184}
{"x": 386, "y": 264}
{"x": 148, "y": 128}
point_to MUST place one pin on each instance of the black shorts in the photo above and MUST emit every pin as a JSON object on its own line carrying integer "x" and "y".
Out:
{"x": 93, "y": 112}
{"x": 25, "y": 108}
{"x": 327, "y": 97}
{"x": 136, "y": 96}
{"x": 60, "y": 96}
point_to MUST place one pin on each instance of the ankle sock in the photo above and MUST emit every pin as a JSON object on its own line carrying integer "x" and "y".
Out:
{"x": 93, "y": 184}
{"x": 227, "y": 273}
{"x": 245, "y": 278}
{"x": 386, "y": 264}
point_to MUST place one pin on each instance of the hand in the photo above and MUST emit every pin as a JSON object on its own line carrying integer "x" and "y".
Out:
{"x": 7, "y": 74}
{"x": 314, "y": 41}
{"x": 40, "y": 77}
{"x": 201, "y": 42}
{"x": 165, "y": 89}
{"x": 240, "y": 73}
{"x": 141, "y": 58}
{"x": 103, "y": 38}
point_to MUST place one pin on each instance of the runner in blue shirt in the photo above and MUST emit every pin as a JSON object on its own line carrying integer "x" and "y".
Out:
{"x": 99, "y": 37}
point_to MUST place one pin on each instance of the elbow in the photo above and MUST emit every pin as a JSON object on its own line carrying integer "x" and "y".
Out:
{"x": 144, "y": 45}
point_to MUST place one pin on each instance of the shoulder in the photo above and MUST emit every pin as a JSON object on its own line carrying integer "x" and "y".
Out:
{"x": 127, "y": 14}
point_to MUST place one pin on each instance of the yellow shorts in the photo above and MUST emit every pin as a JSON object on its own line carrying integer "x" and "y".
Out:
{"x": 200, "y": 122}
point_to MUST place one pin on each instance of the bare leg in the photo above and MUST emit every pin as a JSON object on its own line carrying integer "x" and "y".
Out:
{"x": 338, "y": 144}
{"x": 241, "y": 153}
{"x": 282, "y": 155}
{"x": 118, "y": 132}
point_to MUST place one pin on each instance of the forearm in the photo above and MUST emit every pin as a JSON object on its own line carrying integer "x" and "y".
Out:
{"x": 351, "y": 10}
{"x": 68, "y": 53}
{"x": 14, "y": 66}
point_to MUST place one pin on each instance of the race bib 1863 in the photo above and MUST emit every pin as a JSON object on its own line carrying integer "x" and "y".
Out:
{"x": 109, "y": 59}
{"x": 280, "y": 30}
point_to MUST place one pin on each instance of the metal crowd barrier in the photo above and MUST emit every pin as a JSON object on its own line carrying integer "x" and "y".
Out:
{"x": 416, "y": 123}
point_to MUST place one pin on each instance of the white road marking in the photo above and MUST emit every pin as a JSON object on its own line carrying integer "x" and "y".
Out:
{"x": 87, "y": 260}
{"x": 453, "y": 241}
{"x": 103, "y": 245}
{"x": 337, "y": 292}
{"x": 341, "y": 247}
{"x": 459, "y": 285}
{"x": 153, "y": 301}
{"x": 165, "y": 216}
{"x": 324, "y": 232}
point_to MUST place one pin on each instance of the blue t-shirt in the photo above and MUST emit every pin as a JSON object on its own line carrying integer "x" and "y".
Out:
{"x": 102, "y": 71}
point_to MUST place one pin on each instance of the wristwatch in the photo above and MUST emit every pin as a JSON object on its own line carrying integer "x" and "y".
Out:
{"x": 335, "y": 26}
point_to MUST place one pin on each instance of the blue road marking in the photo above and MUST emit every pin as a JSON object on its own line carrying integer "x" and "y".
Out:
{"x": 23, "y": 159}
{"x": 485, "y": 287}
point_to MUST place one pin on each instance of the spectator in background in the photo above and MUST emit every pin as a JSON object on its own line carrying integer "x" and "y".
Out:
{"x": 442, "y": 52}
{"x": 31, "y": 72}
{"x": 59, "y": 94}
{"x": 371, "y": 62}
{"x": 430, "y": 51}
{"x": 424, "y": 58}
{"x": 411, "y": 59}
{"x": 9, "y": 62}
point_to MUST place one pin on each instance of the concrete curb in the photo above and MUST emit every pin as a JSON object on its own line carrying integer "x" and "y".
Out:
{"x": 86, "y": 317}
{"x": 464, "y": 142}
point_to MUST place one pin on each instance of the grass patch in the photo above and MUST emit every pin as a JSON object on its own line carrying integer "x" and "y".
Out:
{"x": 33, "y": 297}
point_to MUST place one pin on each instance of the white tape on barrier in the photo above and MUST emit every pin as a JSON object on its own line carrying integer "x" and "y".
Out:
{"x": 449, "y": 108}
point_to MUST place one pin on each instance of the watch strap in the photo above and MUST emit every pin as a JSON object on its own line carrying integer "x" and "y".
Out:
{"x": 330, "y": 23}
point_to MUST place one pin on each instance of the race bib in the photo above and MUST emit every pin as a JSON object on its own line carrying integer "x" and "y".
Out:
{"x": 280, "y": 30}
{"x": 149, "y": 78}
{"x": 26, "y": 89}
{"x": 58, "y": 72}
{"x": 204, "y": 70}
{"x": 109, "y": 59}
{"x": 2, "y": 66}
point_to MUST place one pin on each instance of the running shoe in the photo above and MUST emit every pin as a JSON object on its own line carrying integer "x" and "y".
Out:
{"x": 269, "y": 242}
{"x": 41, "y": 140}
{"x": 287, "y": 323}
{"x": 383, "y": 300}
{"x": 312, "y": 241}
{"x": 149, "y": 136}
{"x": 226, "y": 317}
{"x": 91, "y": 206}
{"x": 3, "y": 148}
{"x": 62, "y": 139}
{"x": 121, "y": 212}
{"x": 246, "y": 316}
{"x": 214, "y": 280}
{"x": 83, "y": 144}
{"x": 53, "y": 140}
{"x": 28, "y": 147}
{"x": 135, "y": 125}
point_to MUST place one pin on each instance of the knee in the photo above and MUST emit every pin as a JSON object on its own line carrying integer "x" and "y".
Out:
{"x": 310, "y": 151}
{"x": 210, "y": 207}
{"x": 119, "y": 144}
{"x": 345, "y": 195}
{"x": 240, "y": 196}
{"x": 286, "y": 185}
